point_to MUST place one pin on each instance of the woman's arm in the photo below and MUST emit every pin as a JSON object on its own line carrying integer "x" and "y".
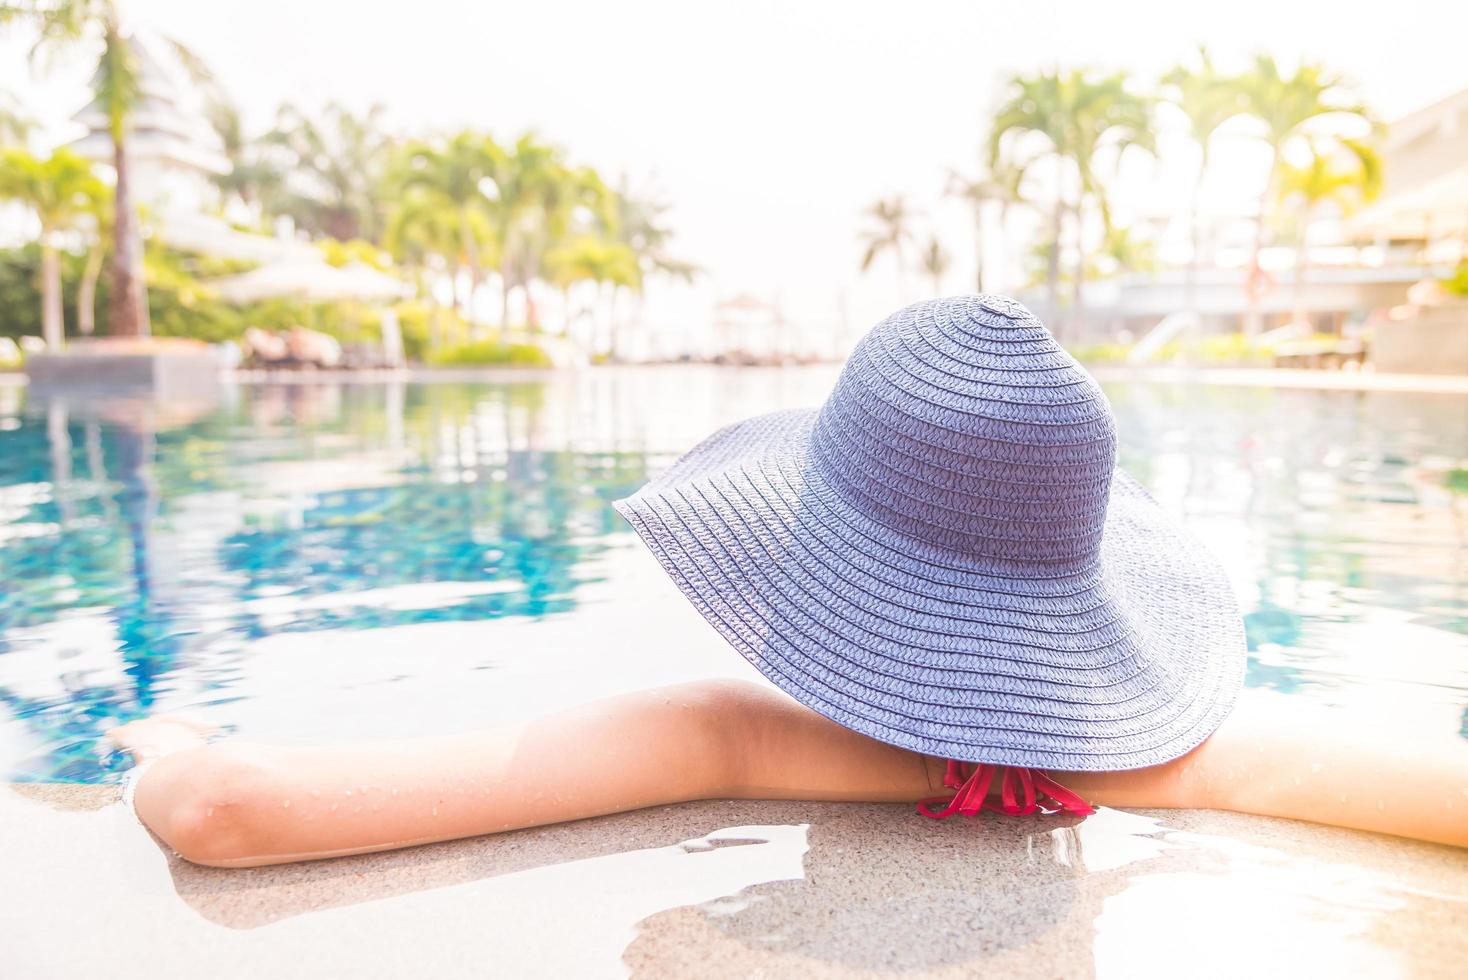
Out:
{"x": 1279, "y": 758}
{"x": 240, "y": 804}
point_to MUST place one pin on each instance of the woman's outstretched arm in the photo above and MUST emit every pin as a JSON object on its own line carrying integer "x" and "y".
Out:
{"x": 1278, "y": 758}
{"x": 239, "y": 804}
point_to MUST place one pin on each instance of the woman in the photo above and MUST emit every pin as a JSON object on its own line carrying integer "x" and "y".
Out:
{"x": 943, "y": 563}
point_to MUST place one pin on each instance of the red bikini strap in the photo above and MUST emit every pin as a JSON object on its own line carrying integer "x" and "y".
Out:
{"x": 1038, "y": 791}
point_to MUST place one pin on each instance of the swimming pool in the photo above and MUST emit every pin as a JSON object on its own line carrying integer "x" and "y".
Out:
{"x": 320, "y": 560}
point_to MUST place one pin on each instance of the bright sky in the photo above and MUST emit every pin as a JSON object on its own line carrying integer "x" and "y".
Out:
{"x": 768, "y": 125}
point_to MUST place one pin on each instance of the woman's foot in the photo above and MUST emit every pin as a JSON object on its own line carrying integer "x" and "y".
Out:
{"x": 160, "y": 735}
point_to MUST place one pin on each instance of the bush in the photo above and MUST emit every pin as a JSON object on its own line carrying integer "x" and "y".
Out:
{"x": 481, "y": 353}
{"x": 1224, "y": 350}
{"x": 1457, "y": 283}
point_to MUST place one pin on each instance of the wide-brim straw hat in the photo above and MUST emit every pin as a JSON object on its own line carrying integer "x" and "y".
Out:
{"x": 944, "y": 556}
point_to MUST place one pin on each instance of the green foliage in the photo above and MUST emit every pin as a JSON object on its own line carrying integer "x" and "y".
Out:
{"x": 1457, "y": 283}
{"x": 182, "y": 305}
{"x": 1219, "y": 350}
{"x": 357, "y": 250}
{"x": 482, "y": 353}
{"x": 58, "y": 189}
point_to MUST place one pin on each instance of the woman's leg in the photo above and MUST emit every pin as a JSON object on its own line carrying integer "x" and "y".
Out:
{"x": 238, "y": 804}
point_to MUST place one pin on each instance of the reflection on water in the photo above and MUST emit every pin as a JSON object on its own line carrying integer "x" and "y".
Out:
{"x": 147, "y": 554}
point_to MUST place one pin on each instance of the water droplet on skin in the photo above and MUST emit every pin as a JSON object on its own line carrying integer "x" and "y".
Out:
{"x": 435, "y": 811}
{"x": 209, "y": 812}
{"x": 286, "y": 804}
{"x": 349, "y": 792}
{"x": 1314, "y": 767}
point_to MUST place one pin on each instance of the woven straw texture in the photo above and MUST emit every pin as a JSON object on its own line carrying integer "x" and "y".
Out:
{"x": 944, "y": 557}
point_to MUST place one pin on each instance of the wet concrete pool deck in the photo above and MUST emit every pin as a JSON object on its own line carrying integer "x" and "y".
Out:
{"x": 740, "y": 889}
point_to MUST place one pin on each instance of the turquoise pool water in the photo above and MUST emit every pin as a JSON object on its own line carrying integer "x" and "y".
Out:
{"x": 291, "y": 560}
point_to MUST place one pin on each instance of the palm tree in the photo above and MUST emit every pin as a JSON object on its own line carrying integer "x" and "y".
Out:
{"x": 641, "y": 228}
{"x": 1310, "y": 104}
{"x": 593, "y": 259}
{"x": 58, "y": 190}
{"x": 1075, "y": 121}
{"x": 1347, "y": 176}
{"x": 101, "y": 236}
{"x": 15, "y": 125}
{"x": 62, "y": 23}
{"x": 891, "y": 232}
{"x": 639, "y": 225}
{"x": 1209, "y": 99}
{"x": 334, "y": 167}
{"x": 422, "y": 236}
{"x": 254, "y": 178}
{"x": 571, "y": 201}
{"x": 455, "y": 177}
{"x": 532, "y": 187}
{"x": 1000, "y": 186}
{"x": 935, "y": 261}
{"x": 1126, "y": 251}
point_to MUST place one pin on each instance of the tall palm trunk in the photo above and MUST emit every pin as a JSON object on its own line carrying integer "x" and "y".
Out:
{"x": 1052, "y": 267}
{"x": 1302, "y": 263}
{"x": 505, "y": 288}
{"x": 978, "y": 248}
{"x": 1253, "y": 316}
{"x": 52, "y": 326}
{"x": 1190, "y": 289}
{"x": 1078, "y": 287}
{"x": 86, "y": 292}
{"x": 471, "y": 255}
{"x": 128, "y": 306}
{"x": 613, "y": 339}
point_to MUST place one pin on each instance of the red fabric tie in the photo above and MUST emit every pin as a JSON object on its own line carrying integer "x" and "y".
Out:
{"x": 1020, "y": 791}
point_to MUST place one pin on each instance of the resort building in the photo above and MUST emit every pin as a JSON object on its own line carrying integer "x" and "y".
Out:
{"x": 1375, "y": 273}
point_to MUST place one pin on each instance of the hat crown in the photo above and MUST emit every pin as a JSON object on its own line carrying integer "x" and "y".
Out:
{"x": 962, "y": 423}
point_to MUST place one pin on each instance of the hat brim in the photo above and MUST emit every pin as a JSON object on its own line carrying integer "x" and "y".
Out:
{"x": 1129, "y": 661}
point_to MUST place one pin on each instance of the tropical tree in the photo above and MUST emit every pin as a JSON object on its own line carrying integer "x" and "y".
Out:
{"x": 999, "y": 185}
{"x": 63, "y": 23}
{"x": 15, "y": 125}
{"x": 1347, "y": 175}
{"x": 254, "y": 178}
{"x": 1074, "y": 121}
{"x": 59, "y": 190}
{"x": 99, "y": 239}
{"x": 571, "y": 201}
{"x": 1312, "y": 104}
{"x": 602, "y": 262}
{"x": 333, "y": 165}
{"x": 890, "y": 231}
{"x": 641, "y": 227}
{"x": 1208, "y": 99}
{"x": 534, "y": 195}
{"x": 451, "y": 183}
{"x": 1123, "y": 250}
{"x": 935, "y": 261}
{"x": 423, "y": 237}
